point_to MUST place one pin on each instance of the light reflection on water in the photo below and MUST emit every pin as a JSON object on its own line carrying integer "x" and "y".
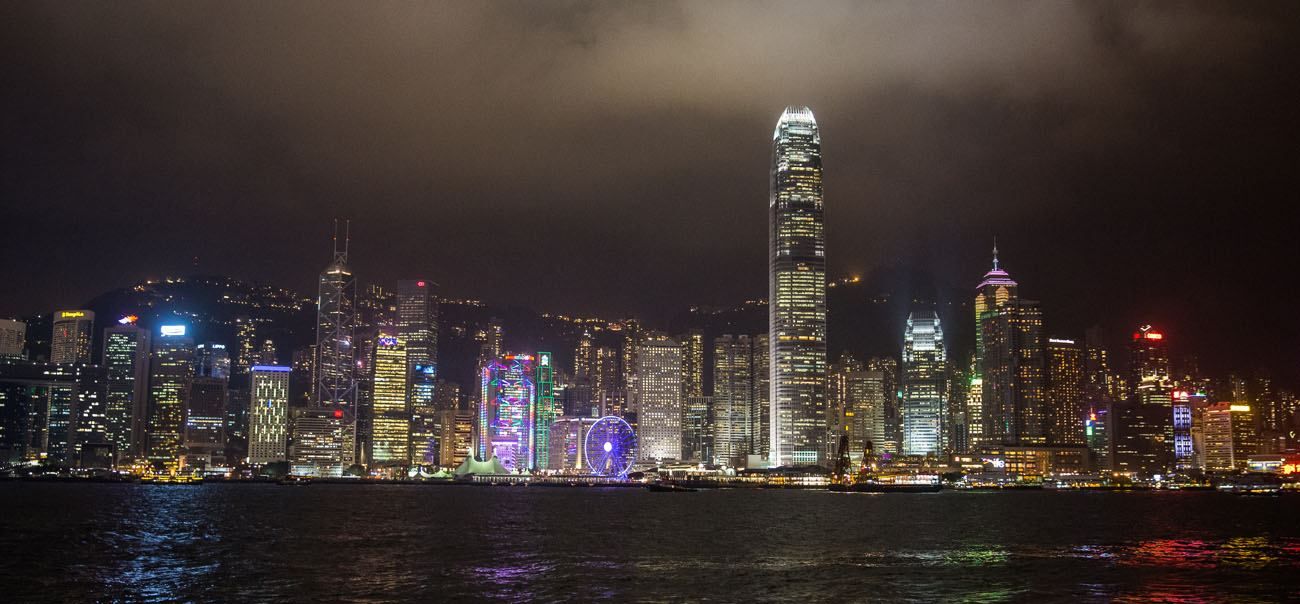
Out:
{"x": 247, "y": 542}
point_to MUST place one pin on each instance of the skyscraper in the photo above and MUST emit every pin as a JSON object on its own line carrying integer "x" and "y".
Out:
{"x": 333, "y": 413}
{"x": 415, "y": 329}
{"x": 1013, "y": 375}
{"x": 659, "y": 398}
{"x": 994, "y": 291}
{"x": 545, "y": 412}
{"x": 126, "y": 379}
{"x": 269, "y": 415}
{"x": 1065, "y": 409}
{"x": 1229, "y": 436}
{"x": 391, "y": 431}
{"x": 924, "y": 372}
{"x": 72, "y": 336}
{"x": 335, "y": 363}
{"x": 733, "y": 397}
{"x": 13, "y": 338}
{"x": 212, "y": 360}
{"x": 508, "y": 411}
{"x": 203, "y": 433}
{"x": 693, "y": 363}
{"x": 797, "y": 292}
{"x": 171, "y": 367}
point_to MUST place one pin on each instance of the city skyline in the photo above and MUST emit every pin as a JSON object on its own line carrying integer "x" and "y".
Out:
{"x": 1078, "y": 156}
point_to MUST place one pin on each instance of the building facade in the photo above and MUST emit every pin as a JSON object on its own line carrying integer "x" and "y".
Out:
{"x": 659, "y": 399}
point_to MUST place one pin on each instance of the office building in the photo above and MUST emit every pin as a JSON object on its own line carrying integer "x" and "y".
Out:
{"x": 126, "y": 394}
{"x": 507, "y": 413}
{"x": 659, "y": 398}
{"x": 924, "y": 373}
{"x": 171, "y": 367}
{"x": 13, "y": 339}
{"x": 268, "y": 416}
{"x": 797, "y": 293}
{"x": 1064, "y": 395}
{"x": 390, "y": 437}
{"x": 72, "y": 336}
{"x": 1229, "y": 437}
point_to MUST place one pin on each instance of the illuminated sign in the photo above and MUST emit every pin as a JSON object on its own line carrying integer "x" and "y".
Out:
{"x": 1059, "y": 341}
{"x": 545, "y": 360}
{"x": 1241, "y": 408}
{"x": 71, "y": 314}
{"x": 338, "y": 413}
{"x": 270, "y": 368}
{"x": 1180, "y": 395}
{"x": 387, "y": 341}
{"x": 419, "y": 284}
{"x": 172, "y": 330}
{"x": 128, "y": 320}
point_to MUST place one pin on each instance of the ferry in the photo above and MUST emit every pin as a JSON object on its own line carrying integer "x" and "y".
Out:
{"x": 668, "y": 487}
{"x": 892, "y": 483}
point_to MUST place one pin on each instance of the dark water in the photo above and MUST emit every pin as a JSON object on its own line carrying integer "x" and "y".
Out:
{"x": 86, "y": 542}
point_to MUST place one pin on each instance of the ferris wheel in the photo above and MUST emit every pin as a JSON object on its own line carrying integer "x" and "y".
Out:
{"x": 610, "y": 446}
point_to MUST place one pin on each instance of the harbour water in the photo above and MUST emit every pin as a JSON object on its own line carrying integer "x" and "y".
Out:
{"x": 263, "y": 542}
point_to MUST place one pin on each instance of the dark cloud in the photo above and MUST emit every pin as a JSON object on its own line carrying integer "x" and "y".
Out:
{"x": 612, "y": 157}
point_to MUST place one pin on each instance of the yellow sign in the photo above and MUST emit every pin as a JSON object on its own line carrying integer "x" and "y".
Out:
{"x": 71, "y": 314}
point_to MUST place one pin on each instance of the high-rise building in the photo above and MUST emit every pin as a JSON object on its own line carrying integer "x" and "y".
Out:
{"x": 335, "y": 387}
{"x": 268, "y": 422}
{"x": 1139, "y": 437}
{"x": 566, "y": 443}
{"x": 1013, "y": 375}
{"x": 50, "y": 411}
{"x": 545, "y": 411}
{"x": 391, "y": 421}
{"x": 994, "y": 291}
{"x": 333, "y": 412}
{"x": 1065, "y": 409}
{"x": 415, "y": 327}
{"x": 457, "y": 437}
{"x": 508, "y": 412}
{"x": 733, "y": 397}
{"x": 924, "y": 371}
{"x": 698, "y": 428}
{"x": 245, "y": 340}
{"x": 1149, "y": 366}
{"x": 584, "y": 360}
{"x": 72, "y": 336}
{"x": 659, "y": 398}
{"x": 797, "y": 292}
{"x": 760, "y": 425}
{"x": 860, "y": 397}
{"x": 13, "y": 338}
{"x": 1229, "y": 437}
{"x": 693, "y": 363}
{"x": 126, "y": 388}
{"x": 171, "y": 367}
{"x": 891, "y": 439}
{"x": 1184, "y": 440}
{"x": 212, "y": 360}
{"x": 203, "y": 433}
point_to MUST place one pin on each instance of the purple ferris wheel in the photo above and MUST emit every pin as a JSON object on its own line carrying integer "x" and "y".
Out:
{"x": 610, "y": 447}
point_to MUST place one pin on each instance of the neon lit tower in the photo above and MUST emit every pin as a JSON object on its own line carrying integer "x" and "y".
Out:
{"x": 797, "y": 292}
{"x": 546, "y": 412}
{"x": 507, "y": 414}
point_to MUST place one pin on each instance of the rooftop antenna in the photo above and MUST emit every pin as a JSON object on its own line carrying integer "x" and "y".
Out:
{"x": 995, "y": 252}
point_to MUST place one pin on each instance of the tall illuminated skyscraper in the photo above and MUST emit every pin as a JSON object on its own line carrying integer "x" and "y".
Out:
{"x": 126, "y": 379}
{"x": 508, "y": 412}
{"x": 994, "y": 291}
{"x": 72, "y": 336}
{"x": 269, "y": 414}
{"x": 391, "y": 424}
{"x": 693, "y": 363}
{"x": 797, "y": 292}
{"x": 13, "y": 338}
{"x": 659, "y": 399}
{"x": 1013, "y": 375}
{"x": 1066, "y": 411}
{"x": 924, "y": 384}
{"x": 332, "y": 416}
{"x": 171, "y": 367}
{"x": 733, "y": 397}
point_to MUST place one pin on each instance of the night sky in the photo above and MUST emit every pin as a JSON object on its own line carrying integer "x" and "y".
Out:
{"x": 1137, "y": 163}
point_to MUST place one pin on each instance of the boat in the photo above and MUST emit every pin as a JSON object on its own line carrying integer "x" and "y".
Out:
{"x": 295, "y": 481}
{"x": 891, "y": 483}
{"x": 668, "y": 487}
